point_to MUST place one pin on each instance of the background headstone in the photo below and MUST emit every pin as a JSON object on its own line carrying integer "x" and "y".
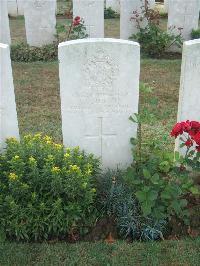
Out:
{"x": 189, "y": 96}
{"x": 92, "y": 12}
{"x": 8, "y": 114}
{"x": 128, "y": 27}
{"x": 99, "y": 88}
{"x": 20, "y": 7}
{"x": 114, "y": 4}
{"x": 183, "y": 14}
{"x": 166, "y": 5}
{"x": 4, "y": 23}
{"x": 12, "y": 7}
{"x": 40, "y": 21}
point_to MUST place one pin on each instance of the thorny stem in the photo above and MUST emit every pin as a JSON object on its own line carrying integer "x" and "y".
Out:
{"x": 69, "y": 32}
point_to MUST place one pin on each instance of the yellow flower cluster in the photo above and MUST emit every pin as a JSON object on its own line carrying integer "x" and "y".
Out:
{"x": 16, "y": 157}
{"x": 74, "y": 168}
{"x": 89, "y": 169}
{"x": 55, "y": 170}
{"x": 47, "y": 139}
{"x": 13, "y": 140}
{"x": 32, "y": 160}
{"x": 67, "y": 155}
{"x": 13, "y": 176}
{"x": 58, "y": 146}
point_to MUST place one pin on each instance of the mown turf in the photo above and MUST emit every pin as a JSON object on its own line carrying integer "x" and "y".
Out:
{"x": 38, "y": 100}
{"x": 184, "y": 252}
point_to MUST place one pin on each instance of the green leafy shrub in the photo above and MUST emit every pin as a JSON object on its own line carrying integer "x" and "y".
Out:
{"x": 110, "y": 13}
{"x": 47, "y": 191}
{"x": 159, "y": 183}
{"x": 153, "y": 40}
{"x": 25, "y": 53}
{"x": 195, "y": 34}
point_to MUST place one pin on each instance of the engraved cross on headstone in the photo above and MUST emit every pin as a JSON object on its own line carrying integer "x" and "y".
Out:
{"x": 101, "y": 135}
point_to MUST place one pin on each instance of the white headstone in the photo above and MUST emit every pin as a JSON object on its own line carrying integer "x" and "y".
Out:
{"x": 8, "y": 114}
{"x": 40, "y": 21}
{"x": 166, "y": 5}
{"x": 20, "y": 7}
{"x": 189, "y": 96}
{"x": 92, "y": 12}
{"x": 4, "y": 23}
{"x": 183, "y": 14}
{"x": 99, "y": 88}
{"x": 12, "y": 7}
{"x": 128, "y": 26}
{"x": 114, "y": 4}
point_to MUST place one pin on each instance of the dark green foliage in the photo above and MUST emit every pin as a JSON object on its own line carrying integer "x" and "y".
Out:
{"x": 195, "y": 34}
{"x": 109, "y": 13}
{"x": 47, "y": 191}
{"x": 118, "y": 200}
{"x": 25, "y": 53}
{"x": 154, "y": 41}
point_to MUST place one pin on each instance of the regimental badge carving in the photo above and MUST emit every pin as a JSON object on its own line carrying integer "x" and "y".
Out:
{"x": 39, "y": 3}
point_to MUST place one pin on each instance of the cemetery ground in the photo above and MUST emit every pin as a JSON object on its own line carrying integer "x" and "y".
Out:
{"x": 183, "y": 252}
{"x": 38, "y": 107}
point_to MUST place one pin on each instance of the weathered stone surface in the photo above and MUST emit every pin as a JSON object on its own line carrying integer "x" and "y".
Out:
{"x": 92, "y": 12}
{"x": 8, "y": 114}
{"x": 189, "y": 96}
{"x": 40, "y": 21}
{"x": 128, "y": 26}
{"x": 99, "y": 88}
{"x": 166, "y": 5}
{"x": 4, "y": 23}
{"x": 20, "y": 7}
{"x": 114, "y": 4}
{"x": 183, "y": 14}
{"x": 12, "y": 7}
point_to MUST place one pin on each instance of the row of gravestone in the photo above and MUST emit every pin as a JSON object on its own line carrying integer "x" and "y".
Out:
{"x": 40, "y": 19}
{"x": 99, "y": 90}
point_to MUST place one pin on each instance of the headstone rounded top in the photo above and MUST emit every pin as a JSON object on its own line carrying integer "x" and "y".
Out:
{"x": 3, "y": 45}
{"x": 192, "y": 42}
{"x": 98, "y": 40}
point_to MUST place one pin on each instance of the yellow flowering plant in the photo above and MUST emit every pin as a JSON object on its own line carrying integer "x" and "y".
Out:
{"x": 47, "y": 190}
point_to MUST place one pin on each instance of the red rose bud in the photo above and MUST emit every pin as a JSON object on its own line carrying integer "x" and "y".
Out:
{"x": 77, "y": 18}
{"x": 189, "y": 143}
{"x": 75, "y": 23}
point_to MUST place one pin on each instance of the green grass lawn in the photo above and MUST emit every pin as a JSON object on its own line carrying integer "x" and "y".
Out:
{"x": 38, "y": 100}
{"x": 184, "y": 252}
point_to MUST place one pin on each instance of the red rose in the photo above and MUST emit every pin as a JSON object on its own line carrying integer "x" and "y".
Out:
{"x": 196, "y": 138}
{"x": 76, "y": 21}
{"x": 186, "y": 126}
{"x": 77, "y": 18}
{"x": 195, "y": 125}
{"x": 177, "y": 130}
{"x": 189, "y": 143}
